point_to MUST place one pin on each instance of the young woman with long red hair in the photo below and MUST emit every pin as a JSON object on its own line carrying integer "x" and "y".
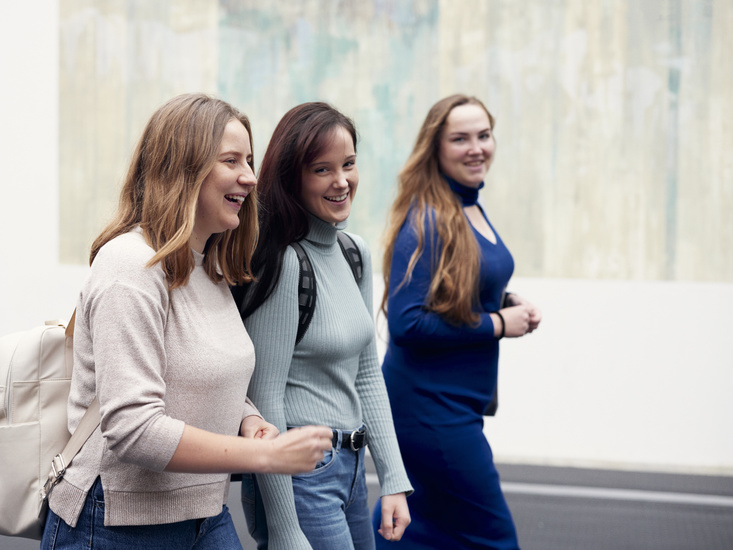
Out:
{"x": 445, "y": 271}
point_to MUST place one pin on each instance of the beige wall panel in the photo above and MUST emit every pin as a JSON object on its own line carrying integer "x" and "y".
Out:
{"x": 611, "y": 121}
{"x": 119, "y": 61}
{"x": 613, "y": 116}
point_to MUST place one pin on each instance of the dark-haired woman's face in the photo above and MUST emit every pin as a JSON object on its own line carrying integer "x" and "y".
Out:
{"x": 329, "y": 182}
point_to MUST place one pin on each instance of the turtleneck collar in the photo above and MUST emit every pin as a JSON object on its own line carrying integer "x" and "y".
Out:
{"x": 468, "y": 195}
{"x": 321, "y": 232}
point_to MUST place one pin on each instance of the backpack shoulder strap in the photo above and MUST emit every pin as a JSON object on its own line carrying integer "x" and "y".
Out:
{"x": 307, "y": 279}
{"x": 352, "y": 254}
{"x": 306, "y": 291}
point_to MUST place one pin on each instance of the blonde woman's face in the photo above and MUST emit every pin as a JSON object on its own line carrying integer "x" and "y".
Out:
{"x": 330, "y": 181}
{"x": 225, "y": 187}
{"x": 466, "y": 145}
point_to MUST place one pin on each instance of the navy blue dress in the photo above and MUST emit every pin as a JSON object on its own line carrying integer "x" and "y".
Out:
{"x": 440, "y": 378}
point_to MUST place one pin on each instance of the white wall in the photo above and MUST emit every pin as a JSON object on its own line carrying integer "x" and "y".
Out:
{"x": 33, "y": 285}
{"x": 621, "y": 374}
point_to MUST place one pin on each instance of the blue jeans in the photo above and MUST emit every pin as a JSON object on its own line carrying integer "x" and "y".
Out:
{"x": 212, "y": 533}
{"x": 331, "y": 502}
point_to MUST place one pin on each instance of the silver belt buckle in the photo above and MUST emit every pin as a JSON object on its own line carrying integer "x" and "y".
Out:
{"x": 351, "y": 439}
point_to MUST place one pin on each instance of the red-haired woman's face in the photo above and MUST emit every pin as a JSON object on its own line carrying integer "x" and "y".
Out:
{"x": 466, "y": 145}
{"x": 329, "y": 182}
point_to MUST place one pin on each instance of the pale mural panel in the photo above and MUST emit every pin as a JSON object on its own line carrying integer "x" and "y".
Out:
{"x": 119, "y": 61}
{"x": 613, "y": 117}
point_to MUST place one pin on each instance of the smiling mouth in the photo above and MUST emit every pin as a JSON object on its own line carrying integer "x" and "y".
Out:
{"x": 339, "y": 198}
{"x": 238, "y": 199}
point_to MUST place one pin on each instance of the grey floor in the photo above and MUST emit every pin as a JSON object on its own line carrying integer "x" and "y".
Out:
{"x": 573, "y": 508}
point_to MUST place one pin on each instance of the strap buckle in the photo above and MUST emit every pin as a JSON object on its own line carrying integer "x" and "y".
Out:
{"x": 361, "y": 434}
{"x": 58, "y": 469}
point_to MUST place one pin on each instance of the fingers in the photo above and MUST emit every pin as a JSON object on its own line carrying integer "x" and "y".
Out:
{"x": 323, "y": 434}
{"x": 395, "y": 517}
{"x": 400, "y": 524}
{"x": 271, "y": 433}
{"x": 300, "y": 449}
{"x": 386, "y": 526}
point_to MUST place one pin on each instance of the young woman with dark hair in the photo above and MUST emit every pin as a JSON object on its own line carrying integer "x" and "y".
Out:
{"x": 445, "y": 271}
{"x": 307, "y": 183}
{"x": 155, "y": 327}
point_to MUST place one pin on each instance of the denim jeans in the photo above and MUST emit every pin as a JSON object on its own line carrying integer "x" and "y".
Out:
{"x": 331, "y": 502}
{"x": 212, "y": 533}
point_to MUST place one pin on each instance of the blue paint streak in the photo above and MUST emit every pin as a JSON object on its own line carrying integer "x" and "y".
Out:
{"x": 672, "y": 168}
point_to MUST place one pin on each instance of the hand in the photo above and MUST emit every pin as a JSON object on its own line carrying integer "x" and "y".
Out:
{"x": 516, "y": 321}
{"x": 298, "y": 450}
{"x": 256, "y": 427}
{"x": 395, "y": 516}
{"x": 535, "y": 315}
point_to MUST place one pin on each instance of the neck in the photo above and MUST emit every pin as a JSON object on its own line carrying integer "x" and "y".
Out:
{"x": 468, "y": 195}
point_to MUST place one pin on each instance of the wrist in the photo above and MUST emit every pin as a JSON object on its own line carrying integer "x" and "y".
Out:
{"x": 503, "y": 326}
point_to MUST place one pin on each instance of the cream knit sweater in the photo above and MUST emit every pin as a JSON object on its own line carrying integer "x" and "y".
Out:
{"x": 155, "y": 365}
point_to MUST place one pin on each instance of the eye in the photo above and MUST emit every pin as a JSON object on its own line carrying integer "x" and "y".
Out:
{"x": 485, "y": 136}
{"x": 350, "y": 164}
{"x": 458, "y": 139}
{"x": 320, "y": 170}
{"x": 231, "y": 161}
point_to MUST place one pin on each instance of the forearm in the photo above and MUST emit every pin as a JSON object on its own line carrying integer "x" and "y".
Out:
{"x": 200, "y": 451}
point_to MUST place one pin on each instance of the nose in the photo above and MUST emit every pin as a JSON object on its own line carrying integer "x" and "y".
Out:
{"x": 342, "y": 179}
{"x": 247, "y": 176}
{"x": 474, "y": 146}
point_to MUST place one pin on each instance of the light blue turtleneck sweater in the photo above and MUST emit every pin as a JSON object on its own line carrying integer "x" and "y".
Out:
{"x": 332, "y": 377}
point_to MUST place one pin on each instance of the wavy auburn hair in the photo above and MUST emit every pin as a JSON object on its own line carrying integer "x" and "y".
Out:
{"x": 177, "y": 150}
{"x": 423, "y": 193}
{"x": 301, "y": 136}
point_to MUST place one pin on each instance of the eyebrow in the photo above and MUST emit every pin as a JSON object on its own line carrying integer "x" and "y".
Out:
{"x": 317, "y": 163}
{"x": 488, "y": 129}
{"x": 235, "y": 153}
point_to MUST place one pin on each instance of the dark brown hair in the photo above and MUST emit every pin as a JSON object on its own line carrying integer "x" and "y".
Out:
{"x": 300, "y": 137}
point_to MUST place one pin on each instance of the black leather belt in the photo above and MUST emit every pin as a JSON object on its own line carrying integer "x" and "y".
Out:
{"x": 356, "y": 440}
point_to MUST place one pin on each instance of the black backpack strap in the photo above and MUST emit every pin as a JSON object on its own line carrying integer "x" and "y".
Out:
{"x": 306, "y": 291}
{"x": 307, "y": 279}
{"x": 352, "y": 254}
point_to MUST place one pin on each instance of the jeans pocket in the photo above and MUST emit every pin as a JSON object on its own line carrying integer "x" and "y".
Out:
{"x": 329, "y": 457}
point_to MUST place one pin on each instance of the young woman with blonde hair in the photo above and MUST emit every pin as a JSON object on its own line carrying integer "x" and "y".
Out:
{"x": 446, "y": 270}
{"x": 160, "y": 344}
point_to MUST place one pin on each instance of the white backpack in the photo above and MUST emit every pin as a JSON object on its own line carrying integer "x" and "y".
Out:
{"x": 35, "y": 375}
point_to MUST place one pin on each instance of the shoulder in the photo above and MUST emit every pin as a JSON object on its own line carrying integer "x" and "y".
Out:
{"x": 125, "y": 260}
{"x": 418, "y": 222}
{"x": 361, "y": 245}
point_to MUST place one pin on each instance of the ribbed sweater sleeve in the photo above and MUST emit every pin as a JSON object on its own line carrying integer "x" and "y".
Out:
{"x": 372, "y": 392}
{"x": 409, "y": 321}
{"x": 273, "y": 328}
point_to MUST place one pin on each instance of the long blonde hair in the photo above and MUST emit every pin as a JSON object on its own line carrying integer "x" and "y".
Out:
{"x": 423, "y": 194}
{"x": 176, "y": 152}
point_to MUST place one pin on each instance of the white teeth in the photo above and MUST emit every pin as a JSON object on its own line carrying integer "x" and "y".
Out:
{"x": 238, "y": 198}
{"x": 337, "y": 199}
